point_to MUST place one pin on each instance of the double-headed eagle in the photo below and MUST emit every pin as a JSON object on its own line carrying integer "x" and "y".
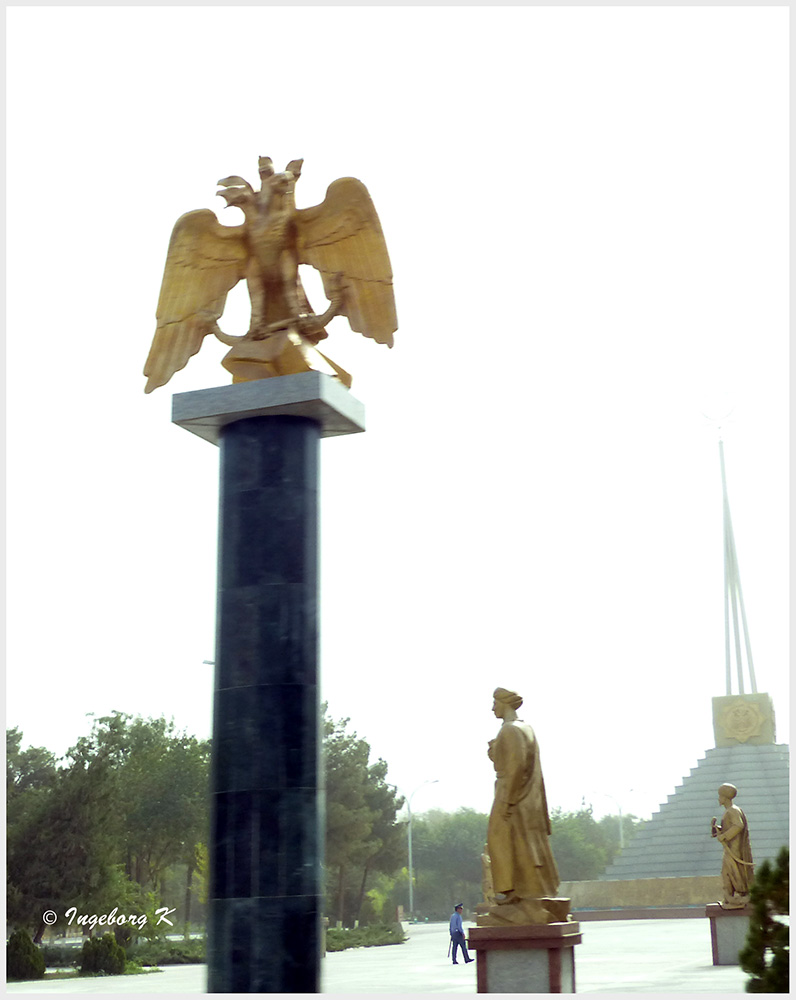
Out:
{"x": 341, "y": 237}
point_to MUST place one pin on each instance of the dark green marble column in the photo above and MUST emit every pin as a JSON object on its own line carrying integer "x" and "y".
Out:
{"x": 267, "y": 832}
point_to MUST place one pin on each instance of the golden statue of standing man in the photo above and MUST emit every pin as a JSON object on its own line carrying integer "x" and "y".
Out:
{"x": 523, "y": 869}
{"x": 341, "y": 237}
{"x": 737, "y": 866}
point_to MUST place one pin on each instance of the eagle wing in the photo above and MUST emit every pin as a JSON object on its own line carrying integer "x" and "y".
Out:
{"x": 343, "y": 236}
{"x": 205, "y": 260}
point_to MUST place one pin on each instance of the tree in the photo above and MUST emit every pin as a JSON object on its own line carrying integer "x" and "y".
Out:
{"x": 62, "y": 844}
{"x": 28, "y": 770}
{"x": 385, "y": 895}
{"x": 766, "y": 956}
{"x": 128, "y": 814}
{"x": 131, "y": 803}
{"x": 348, "y": 818}
{"x": 161, "y": 794}
{"x": 384, "y": 851}
{"x": 610, "y": 826}
{"x": 31, "y": 776}
{"x": 582, "y": 847}
{"x": 446, "y": 853}
{"x": 578, "y": 845}
{"x": 362, "y": 838}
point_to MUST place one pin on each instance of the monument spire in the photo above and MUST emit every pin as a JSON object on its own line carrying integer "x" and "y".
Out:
{"x": 742, "y": 716}
{"x": 733, "y": 599}
{"x": 673, "y": 846}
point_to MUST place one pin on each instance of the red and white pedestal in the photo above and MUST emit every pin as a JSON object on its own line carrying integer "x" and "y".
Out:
{"x": 538, "y": 958}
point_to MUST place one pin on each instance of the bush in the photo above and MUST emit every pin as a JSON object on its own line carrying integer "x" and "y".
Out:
{"x": 102, "y": 955}
{"x": 61, "y": 956}
{"x": 23, "y": 958}
{"x": 169, "y": 952}
{"x": 364, "y": 937}
{"x": 769, "y": 898}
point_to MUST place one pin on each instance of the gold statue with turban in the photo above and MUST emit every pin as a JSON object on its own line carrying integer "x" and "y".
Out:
{"x": 737, "y": 866}
{"x": 523, "y": 869}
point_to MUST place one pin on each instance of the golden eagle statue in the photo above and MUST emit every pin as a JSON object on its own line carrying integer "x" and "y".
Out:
{"x": 341, "y": 237}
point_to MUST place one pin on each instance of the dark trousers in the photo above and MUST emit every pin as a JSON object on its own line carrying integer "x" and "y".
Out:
{"x": 459, "y": 942}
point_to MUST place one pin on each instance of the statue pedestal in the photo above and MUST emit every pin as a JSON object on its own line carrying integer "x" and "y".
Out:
{"x": 537, "y": 958}
{"x": 266, "y": 842}
{"x": 728, "y": 930}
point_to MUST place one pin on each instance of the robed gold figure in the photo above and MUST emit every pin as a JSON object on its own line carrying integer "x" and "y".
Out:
{"x": 341, "y": 237}
{"x": 737, "y": 866}
{"x": 523, "y": 869}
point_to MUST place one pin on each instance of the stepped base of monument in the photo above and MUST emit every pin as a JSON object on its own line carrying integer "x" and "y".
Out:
{"x": 643, "y": 893}
{"x": 641, "y": 913}
{"x": 538, "y": 958}
{"x": 728, "y": 931}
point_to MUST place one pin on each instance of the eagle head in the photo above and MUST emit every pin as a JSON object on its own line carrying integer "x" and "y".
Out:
{"x": 237, "y": 192}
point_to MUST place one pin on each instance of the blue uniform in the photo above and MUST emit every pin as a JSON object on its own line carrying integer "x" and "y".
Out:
{"x": 457, "y": 937}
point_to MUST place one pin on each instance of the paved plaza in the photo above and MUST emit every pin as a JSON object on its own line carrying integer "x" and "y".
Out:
{"x": 616, "y": 956}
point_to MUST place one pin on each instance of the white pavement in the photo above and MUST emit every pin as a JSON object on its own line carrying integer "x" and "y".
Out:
{"x": 616, "y": 956}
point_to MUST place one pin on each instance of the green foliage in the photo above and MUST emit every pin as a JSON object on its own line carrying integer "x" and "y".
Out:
{"x": 134, "y": 969}
{"x": 169, "y": 952}
{"x": 122, "y": 822}
{"x": 578, "y": 845}
{"x": 161, "y": 791}
{"x": 582, "y": 847}
{"x": 26, "y": 770}
{"x": 23, "y": 958}
{"x": 362, "y": 837}
{"x": 447, "y": 850}
{"x": 202, "y": 871}
{"x": 766, "y": 955}
{"x": 62, "y": 845}
{"x": 102, "y": 955}
{"x": 610, "y": 826}
{"x": 152, "y": 930}
{"x": 446, "y": 860}
{"x": 31, "y": 776}
{"x": 60, "y": 956}
{"x": 348, "y": 819}
{"x": 127, "y": 807}
{"x": 364, "y": 937}
{"x": 386, "y": 894}
{"x": 386, "y": 843}
{"x": 380, "y": 902}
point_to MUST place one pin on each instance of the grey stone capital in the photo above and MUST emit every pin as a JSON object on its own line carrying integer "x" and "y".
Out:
{"x": 320, "y": 397}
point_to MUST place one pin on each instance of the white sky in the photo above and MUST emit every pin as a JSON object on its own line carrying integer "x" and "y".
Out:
{"x": 587, "y": 215}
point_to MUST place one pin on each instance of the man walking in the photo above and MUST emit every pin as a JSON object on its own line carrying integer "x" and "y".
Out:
{"x": 457, "y": 934}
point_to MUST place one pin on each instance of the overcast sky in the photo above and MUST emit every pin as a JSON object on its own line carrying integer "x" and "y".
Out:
{"x": 586, "y": 212}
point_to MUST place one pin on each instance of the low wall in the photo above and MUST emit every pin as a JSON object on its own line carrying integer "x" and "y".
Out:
{"x": 686, "y": 891}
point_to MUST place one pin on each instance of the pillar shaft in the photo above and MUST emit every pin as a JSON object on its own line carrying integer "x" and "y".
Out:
{"x": 267, "y": 834}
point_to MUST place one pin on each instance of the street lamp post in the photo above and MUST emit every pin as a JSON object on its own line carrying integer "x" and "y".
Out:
{"x": 433, "y": 781}
{"x": 621, "y": 824}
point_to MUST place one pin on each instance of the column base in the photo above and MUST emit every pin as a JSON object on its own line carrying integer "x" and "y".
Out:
{"x": 536, "y": 958}
{"x": 728, "y": 931}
